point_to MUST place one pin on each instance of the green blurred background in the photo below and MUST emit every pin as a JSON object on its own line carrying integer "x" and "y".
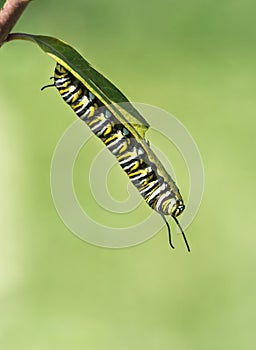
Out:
{"x": 195, "y": 59}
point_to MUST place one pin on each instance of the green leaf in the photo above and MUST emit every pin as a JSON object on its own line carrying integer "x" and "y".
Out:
{"x": 100, "y": 86}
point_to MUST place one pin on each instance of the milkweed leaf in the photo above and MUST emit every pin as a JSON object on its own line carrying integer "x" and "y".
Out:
{"x": 107, "y": 92}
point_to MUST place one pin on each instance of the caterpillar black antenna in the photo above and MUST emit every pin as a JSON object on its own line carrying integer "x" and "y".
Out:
{"x": 182, "y": 232}
{"x": 169, "y": 231}
{"x": 46, "y": 86}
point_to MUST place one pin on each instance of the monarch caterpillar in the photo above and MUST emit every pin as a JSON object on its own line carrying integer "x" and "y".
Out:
{"x": 126, "y": 142}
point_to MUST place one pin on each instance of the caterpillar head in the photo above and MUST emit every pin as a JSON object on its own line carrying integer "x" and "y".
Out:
{"x": 177, "y": 208}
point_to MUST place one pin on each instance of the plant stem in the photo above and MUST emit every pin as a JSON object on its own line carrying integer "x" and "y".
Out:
{"x": 9, "y": 15}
